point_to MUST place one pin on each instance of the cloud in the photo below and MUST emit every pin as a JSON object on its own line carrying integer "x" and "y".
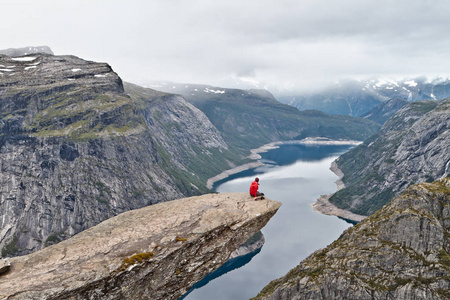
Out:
{"x": 280, "y": 42}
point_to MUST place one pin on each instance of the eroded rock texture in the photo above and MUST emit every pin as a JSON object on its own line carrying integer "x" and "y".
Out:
{"x": 157, "y": 252}
{"x": 413, "y": 146}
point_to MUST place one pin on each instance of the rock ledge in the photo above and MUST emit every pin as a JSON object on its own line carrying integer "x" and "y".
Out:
{"x": 157, "y": 252}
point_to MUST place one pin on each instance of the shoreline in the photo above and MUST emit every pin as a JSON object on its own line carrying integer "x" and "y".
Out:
{"x": 210, "y": 182}
{"x": 323, "y": 206}
{"x": 254, "y": 154}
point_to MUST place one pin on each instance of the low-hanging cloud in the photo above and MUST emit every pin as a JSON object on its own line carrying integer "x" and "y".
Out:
{"x": 283, "y": 43}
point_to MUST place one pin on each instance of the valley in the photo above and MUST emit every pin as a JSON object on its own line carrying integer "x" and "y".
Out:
{"x": 79, "y": 147}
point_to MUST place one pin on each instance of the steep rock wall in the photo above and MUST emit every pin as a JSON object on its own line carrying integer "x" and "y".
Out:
{"x": 413, "y": 146}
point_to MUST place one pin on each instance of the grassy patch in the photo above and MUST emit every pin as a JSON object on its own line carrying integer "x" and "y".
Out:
{"x": 179, "y": 239}
{"x": 10, "y": 248}
{"x": 135, "y": 259}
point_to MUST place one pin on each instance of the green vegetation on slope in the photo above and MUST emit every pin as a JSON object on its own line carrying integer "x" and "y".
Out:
{"x": 249, "y": 119}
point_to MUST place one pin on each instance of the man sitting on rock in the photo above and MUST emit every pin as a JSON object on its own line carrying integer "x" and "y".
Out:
{"x": 254, "y": 190}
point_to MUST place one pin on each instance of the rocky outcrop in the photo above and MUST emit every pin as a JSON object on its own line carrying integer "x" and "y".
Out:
{"x": 156, "y": 252}
{"x": 76, "y": 149}
{"x": 413, "y": 146}
{"x": 400, "y": 252}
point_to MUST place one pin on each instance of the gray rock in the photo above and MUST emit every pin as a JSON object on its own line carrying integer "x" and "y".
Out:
{"x": 413, "y": 146}
{"x": 5, "y": 265}
{"x": 400, "y": 252}
{"x": 75, "y": 149}
{"x": 157, "y": 252}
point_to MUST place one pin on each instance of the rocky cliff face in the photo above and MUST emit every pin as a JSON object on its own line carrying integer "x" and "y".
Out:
{"x": 184, "y": 134}
{"x": 75, "y": 149}
{"x": 413, "y": 146}
{"x": 400, "y": 252}
{"x": 156, "y": 252}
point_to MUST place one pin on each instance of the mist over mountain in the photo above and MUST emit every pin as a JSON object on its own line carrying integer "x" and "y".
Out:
{"x": 345, "y": 97}
{"x": 358, "y": 97}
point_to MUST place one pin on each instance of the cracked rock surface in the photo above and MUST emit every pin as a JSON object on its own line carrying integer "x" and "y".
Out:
{"x": 157, "y": 252}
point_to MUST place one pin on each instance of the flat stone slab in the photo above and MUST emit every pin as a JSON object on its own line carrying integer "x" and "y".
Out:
{"x": 157, "y": 252}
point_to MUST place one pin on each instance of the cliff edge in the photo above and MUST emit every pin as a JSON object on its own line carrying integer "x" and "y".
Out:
{"x": 157, "y": 252}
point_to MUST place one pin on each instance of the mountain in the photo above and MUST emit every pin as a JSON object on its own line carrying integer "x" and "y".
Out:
{"x": 400, "y": 252}
{"x": 385, "y": 110}
{"x": 248, "y": 119}
{"x": 157, "y": 252}
{"x": 14, "y": 52}
{"x": 412, "y": 146}
{"x": 357, "y": 98}
{"x": 185, "y": 136}
{"x": 76, "y": 149}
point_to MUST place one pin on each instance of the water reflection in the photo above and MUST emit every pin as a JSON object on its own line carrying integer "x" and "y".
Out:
{"x": 295, "y": 175}
{"x": 229, "y": 266}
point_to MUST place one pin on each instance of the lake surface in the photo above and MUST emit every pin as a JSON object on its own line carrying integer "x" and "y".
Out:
{"x": 295, "y": 175}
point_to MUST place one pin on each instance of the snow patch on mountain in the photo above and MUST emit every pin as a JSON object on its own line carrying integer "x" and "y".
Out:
{"x": 26, "y": 58}
{"x": 207, "y": 90}
{"x": 411, "y": 83}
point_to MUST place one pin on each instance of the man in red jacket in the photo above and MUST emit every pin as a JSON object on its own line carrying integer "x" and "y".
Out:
{"x": 254, "y": 189}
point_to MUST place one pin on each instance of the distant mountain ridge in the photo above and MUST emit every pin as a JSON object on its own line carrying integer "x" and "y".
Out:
{"x": 250, "y": 118}
{"x": 356, "y": 98}
{"x": 14, "y": 52}
{"x": 385, "y": 110}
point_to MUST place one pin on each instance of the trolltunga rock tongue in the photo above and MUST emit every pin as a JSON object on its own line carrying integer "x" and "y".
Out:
{"x": 157, "y": 252}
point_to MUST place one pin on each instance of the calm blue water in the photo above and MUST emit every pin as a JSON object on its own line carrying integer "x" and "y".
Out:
{"x": 295, "y": 175}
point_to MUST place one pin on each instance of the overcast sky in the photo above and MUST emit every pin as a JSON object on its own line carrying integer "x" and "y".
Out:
{"x": 284, "y": 43}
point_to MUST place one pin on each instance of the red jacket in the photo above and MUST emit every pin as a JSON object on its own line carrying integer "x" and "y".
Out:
{"x": 254, "y": 188}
